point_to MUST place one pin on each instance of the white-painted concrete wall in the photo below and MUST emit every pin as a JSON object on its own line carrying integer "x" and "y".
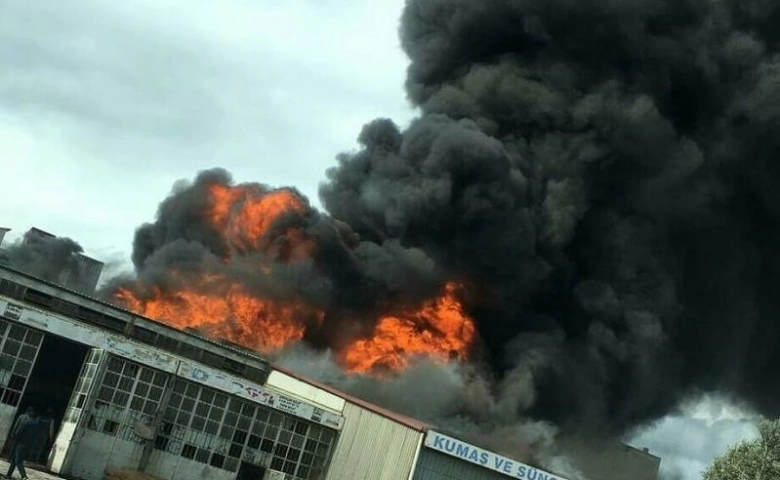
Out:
{"x": 173, "y": 467}
{"x": 305, "y": 391}
{"x": 7, "y": 415}
{"x": 58, "y": 456}
{"x": 97, "y": 452}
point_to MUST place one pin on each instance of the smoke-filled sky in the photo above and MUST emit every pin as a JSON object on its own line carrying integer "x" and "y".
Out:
{"x": 607, "y": 190}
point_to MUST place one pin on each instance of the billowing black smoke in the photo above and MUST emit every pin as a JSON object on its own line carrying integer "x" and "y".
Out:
{"x": 600, "y": 175}
{"x": 603, "y": 173}
{"x": 45, "y": 256}
{"x": 344, "y": 276}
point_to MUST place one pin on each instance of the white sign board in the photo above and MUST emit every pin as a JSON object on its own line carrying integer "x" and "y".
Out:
{"x": 484, "y": 458}
{"x": 87, "y": 335}
{"x": 258, "y": 394}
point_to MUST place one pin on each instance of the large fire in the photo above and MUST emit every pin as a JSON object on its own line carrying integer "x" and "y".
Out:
{"x": 438, "y": 329}
{"x": 247, "y": 217}
{"x": 245, "y": 214}
{"x": 223, "y": 309}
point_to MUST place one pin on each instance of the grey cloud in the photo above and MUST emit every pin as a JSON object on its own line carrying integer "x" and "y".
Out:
{"x": 95, "y": 69}
{"x": 171, "y": 90}
{"x": 690, "y": 439}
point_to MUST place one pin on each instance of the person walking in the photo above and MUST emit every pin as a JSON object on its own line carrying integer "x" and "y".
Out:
{"x": 19, "y": 420}
{"x": 45, "y": 436}
{"x": 23, "y": 417}
{"x": 26, "y": 435}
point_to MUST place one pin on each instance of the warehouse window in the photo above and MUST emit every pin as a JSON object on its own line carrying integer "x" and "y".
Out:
{"x": 210, "y": 427}
{"x": 83, "y": 384}
{"x": 18, "y": 348}
{"x": 192, "y": 421}
{"x": 144, "y": 335}
{"x": 65, "y": 307}
{"x": 298, "y": 448}
{"x": 12, "y": 289}
{"x": 38, "y": 298}
{"x": 232, "y": 366}
{"x": 166, "y": 342}
{"x": 129, "y": 395}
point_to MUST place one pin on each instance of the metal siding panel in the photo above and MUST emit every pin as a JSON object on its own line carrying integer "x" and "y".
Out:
{"x": 433, "y": 465}
{"x": 7, "y": 416}
{"x": 372, "y": 447}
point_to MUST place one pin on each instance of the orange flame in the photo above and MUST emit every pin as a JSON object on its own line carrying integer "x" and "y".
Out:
{"x": 224, "y": 310}
{"x": 247, "y": 218}
{"x": 440, "y": 330}
{"x": 245, "y": 214}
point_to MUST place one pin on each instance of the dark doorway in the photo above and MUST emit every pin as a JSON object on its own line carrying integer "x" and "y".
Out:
{"x": 52, "y": 380}
{"x": 247, "y": 471}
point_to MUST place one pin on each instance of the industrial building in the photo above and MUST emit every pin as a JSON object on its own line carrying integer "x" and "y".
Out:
{"x": 79, "y": 272}
{"x": 131, "y": 393}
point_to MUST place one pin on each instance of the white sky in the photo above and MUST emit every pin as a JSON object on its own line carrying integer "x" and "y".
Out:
{"x": 104, "y": 105}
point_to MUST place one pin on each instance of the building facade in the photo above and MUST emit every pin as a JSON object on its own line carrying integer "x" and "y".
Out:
{"x": 74, "y": 271}
{"x": 129, "y": 403}
{"x": 374, "y": 442}
{"x": 130, "y": 393}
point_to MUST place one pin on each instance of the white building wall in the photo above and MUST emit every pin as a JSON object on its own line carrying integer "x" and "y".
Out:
{"x": 373, "y": 447}
{"x": 7, "y": 415}
{"x": 305, "y": 391}
{"x": 58, "y": 456}
{"x": 96, "y": 451}
{"x": 174, "y": 467}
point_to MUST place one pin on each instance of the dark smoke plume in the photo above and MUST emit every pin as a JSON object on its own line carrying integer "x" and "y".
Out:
{"x": 599, "y": 174}
{"x": 344, "y": 276}
{"x": 603, "y": 173}
{"x": 47, "y": 257}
